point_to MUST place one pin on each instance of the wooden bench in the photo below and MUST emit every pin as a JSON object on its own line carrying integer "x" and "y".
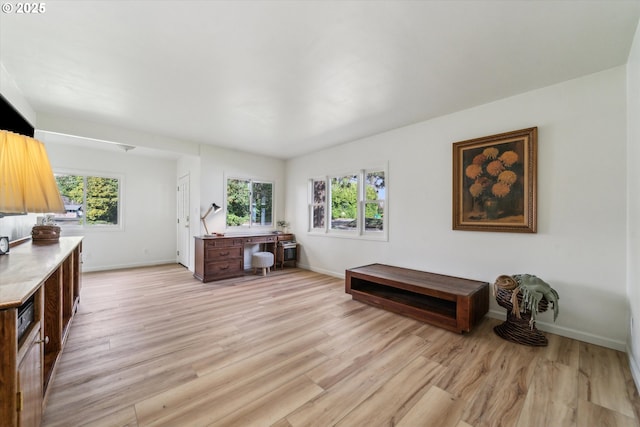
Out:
{"x": 449, "y": 302}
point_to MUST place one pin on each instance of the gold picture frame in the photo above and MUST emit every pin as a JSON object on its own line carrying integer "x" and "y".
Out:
{"x": 494, "y": 182}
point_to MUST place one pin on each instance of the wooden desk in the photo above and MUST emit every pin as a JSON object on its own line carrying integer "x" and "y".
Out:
{"x": 222, "y": 257}
{"x": 49, "y": 276}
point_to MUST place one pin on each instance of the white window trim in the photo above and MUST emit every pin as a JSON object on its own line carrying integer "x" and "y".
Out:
{"x": 360, "y": 232}
{"x": 244, "y": 228}
{"x": 311, "y": 189}
{"x": 96, "y": 227}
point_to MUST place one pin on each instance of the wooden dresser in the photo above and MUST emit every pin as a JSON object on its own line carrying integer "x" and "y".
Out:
{"x": 45, "y": 280}
{"x": 222, "y": 257}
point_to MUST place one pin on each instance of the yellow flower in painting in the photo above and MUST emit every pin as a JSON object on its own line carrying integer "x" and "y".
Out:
{"x": 507, "y": 177}
{"x": 490, "y": 153}
{"x": 475, "y": 189}
{"x": 473, "y": 171}
{"x": 490, "y": 175}
{"x": 509, "y": 158}
{"x": 500, "y": 189}
{"x": 479, "y": 159}
{"x": 495, "y": 167}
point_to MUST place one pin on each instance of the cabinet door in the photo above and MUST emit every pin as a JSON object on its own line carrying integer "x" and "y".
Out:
{"x": 30, "y": 387}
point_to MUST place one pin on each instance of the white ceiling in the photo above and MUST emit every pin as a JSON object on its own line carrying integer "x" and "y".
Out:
{"x": 286, "y": 78}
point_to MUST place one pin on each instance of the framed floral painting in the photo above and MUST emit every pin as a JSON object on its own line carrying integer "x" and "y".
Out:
{"x": 494, "y": 182}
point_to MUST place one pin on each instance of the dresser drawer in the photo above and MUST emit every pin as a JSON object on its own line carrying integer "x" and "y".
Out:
{"x": 260, "y": 239}
{"x": 232, "y": 267}
{"x": 221, "y": 243}
{"x": 223, "y": 253}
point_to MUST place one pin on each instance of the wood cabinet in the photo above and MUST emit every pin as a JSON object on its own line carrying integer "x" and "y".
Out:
{"x": 30, "y": 385}
{"x": 222, "y": 257}
{"x": 49, "y": 277}
{"x": 449, "y": 302}
{"x": 289, "y": 254}
{"x": 218, "y": 258}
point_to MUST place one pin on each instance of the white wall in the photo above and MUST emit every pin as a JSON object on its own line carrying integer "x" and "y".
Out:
{"x": 580, "y": 244}
{"x": 18, "y": 226}
{"x": 149, "y": 207}
{"x": 150, "y": 233}
{"x": 633, "y": 210}
{"x": 218, "y": 163}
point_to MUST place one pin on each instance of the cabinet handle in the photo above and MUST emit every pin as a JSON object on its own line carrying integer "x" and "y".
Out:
{"x": 45, "y": 340}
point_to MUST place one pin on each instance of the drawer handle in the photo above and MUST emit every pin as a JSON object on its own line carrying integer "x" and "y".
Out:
{"x": 224, "y": 268}
{"x": 45, "y": 340}
{"x": 224, "y": 253}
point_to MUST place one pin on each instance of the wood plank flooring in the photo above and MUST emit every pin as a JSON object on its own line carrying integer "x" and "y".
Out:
{"x": 155, "y": 347}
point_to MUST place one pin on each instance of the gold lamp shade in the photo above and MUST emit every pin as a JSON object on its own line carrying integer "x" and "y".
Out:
{"x": 27, "y": 184}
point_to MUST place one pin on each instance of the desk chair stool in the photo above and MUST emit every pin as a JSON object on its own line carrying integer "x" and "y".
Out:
{"x": 263, "y": 260}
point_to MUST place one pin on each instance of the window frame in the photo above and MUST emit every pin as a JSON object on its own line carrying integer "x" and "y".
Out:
{"x": 119, "y": 226}
{"x": 251, "y": 225}
{"x": 313, "y": 204}
{"x": 360, "y": 231}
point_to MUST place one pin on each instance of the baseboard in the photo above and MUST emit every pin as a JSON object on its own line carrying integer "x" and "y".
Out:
{"x": 570, "y": 333}
{"x": 635, "y": 369}
{"x": 322, "y": 271}
{"x": 123, "y": 266}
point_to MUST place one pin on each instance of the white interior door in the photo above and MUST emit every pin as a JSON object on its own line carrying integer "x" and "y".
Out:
{"x": 183, "y": 221}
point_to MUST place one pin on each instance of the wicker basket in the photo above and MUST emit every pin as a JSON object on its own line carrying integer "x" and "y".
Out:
{"x": 519, "y": 330}
{"x": 45, "y": 234}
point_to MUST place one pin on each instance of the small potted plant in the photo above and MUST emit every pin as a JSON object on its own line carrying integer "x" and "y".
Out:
{"x": 283, "y": 226}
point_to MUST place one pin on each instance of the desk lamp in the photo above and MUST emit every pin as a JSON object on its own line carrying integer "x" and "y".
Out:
{"x": 215, "y": 208}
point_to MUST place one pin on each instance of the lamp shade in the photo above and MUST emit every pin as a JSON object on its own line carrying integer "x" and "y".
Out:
{"x": 27, "y": 184}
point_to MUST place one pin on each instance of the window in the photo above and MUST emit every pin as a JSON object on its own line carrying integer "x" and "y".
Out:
{"x": 374, "y": 198}
{"x": 319, "y": 199}
{"x": 344, "y": 202}
{"x": 355, "y": 204}
{"x": 249, "y": 203}
{"x": 89, "y": 200}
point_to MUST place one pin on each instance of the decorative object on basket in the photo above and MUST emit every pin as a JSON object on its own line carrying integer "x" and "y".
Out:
{"x": 533, "y": 290}
{"x": 524, "y": 296}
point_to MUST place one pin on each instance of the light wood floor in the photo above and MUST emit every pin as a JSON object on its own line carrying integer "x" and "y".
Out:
{"x": 155, "y": 347}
